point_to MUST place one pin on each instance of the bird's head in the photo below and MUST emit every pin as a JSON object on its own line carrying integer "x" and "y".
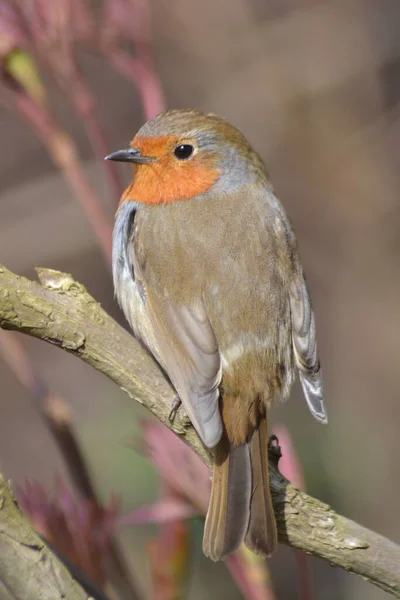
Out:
{"x": 183, "y": 154}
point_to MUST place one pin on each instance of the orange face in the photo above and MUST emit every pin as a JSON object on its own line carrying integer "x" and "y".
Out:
{"x": 168, "y": 178}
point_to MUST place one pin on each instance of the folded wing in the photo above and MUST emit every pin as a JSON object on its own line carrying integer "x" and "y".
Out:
{"x": 189, "y": 353}
{"x": 305, "y": 348}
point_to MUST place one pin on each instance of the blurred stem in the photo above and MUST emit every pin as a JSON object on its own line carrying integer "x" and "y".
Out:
{"x": 146, "y": 76}
{"x": 290, "y": 467}
{"x": 53, "y": 409}
{"x": 17, "y": 359}
{"x": 82, "y": 99}
{"x": 101, "y": 147}
{"x": 139, "y": 71}
{"x": 119, "y": 574}
{"x": 62, "y": 151}
{"x": 304, "y": 572}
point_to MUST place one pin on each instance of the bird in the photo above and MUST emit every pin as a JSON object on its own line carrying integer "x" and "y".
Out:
{"x": 206, "y": 269}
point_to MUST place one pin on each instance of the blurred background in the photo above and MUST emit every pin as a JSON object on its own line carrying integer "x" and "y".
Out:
{"x": 315, "y": 86}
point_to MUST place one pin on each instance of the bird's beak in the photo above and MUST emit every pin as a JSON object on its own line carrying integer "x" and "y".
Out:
{"x": 131, "y": 155}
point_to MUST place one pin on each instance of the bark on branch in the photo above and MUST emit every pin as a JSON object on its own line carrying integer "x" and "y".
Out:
{"x": 60, "y": 311}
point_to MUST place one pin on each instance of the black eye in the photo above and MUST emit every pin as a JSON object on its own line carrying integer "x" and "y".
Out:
{"x": 183, "y": 152}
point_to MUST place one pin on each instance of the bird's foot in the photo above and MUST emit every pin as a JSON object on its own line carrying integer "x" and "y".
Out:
{"x": 176, "y": 402}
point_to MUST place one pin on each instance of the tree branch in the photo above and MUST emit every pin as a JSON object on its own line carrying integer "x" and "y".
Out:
{"x": 61, "y": 312}
{"x": 28, "y": 569}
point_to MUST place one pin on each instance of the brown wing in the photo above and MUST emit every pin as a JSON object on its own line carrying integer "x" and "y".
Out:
{"x": 188, "y": 351}
{"x": 305, "y": 348}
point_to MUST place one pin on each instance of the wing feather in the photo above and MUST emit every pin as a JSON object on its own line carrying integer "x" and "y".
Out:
{"x": 305, "y": 348}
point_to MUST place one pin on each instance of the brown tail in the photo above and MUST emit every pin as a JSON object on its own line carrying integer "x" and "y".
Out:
{"x": 262, "y": 537}
{"x": 240, "y": 506}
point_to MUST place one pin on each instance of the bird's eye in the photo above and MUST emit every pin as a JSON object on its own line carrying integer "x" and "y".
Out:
{"x": 184, "y": 151}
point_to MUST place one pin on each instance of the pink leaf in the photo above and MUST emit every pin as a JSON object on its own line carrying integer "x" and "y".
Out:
{"x": 163, "y": 511}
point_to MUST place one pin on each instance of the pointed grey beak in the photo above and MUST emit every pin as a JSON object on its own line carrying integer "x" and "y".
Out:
{"x": 131, "y": 155}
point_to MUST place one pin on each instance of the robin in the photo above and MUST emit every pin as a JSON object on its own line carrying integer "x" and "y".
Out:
{"x": 207, "y": 271}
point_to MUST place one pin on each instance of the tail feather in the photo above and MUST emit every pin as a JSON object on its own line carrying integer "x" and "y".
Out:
{"x": 228, "y": 512}
{"x": 240, "y": 506}
{"x": 261, "y": 537}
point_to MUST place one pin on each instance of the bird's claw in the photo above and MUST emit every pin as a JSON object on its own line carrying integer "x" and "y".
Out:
{"x": 176, "y": 402}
